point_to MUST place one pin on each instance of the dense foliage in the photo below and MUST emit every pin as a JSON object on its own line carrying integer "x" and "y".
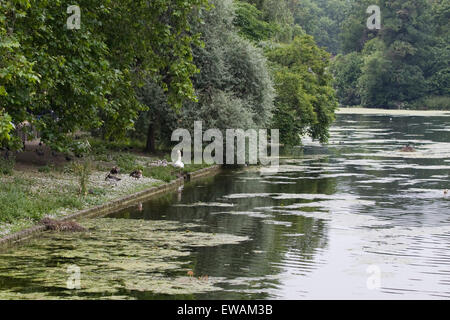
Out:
{"x": 404, "y": 64}
{"x": 238, "y": 88}
{"x": 143, "y": 68}
{"x": 63, "y": 81}
{"x": 305, "y": 100}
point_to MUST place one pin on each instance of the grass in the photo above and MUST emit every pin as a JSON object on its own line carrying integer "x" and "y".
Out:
{"x": 165, "y": 174}
{"x": 6, "y": 166}
{"x": 18, "y": 201}
{"x": 170, "y": 173}
{"x": 46, "y": 169}
{"x": 28, "y": 196}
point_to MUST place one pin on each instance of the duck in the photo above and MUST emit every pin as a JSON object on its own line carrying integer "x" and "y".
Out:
{"x": 115, "y": 170}
{"x": 408, "y": 148}
{"x": 137, "y": 174}
{"x": 112, "y": 177}
{"x": 179, "y": 163}
{"x": 446, "y": 191}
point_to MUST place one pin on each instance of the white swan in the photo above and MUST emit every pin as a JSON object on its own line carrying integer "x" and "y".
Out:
{"x": 178, "y": 163}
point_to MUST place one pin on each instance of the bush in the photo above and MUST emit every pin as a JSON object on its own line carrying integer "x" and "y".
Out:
{"x": 346, "y": 71}
{"x": 83, "y": 171}
{"x": 432, "y": 103}
{"x": 7, "y": 165}
{"x": 126, "y": 161}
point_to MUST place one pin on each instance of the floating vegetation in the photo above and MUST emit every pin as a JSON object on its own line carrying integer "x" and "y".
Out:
{"x": 114, "y": 255}
{"x": 278, "y": 223}
{"x": 205, "y": 204}
{"x": 252, "y": 214}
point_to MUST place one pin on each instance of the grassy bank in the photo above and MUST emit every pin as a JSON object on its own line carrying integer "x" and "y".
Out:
{"x": 393, "y": 112}
{"x": 28, "y": 192}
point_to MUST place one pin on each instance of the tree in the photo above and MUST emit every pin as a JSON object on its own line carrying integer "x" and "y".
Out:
{"x": 346, "y": 72}
{"x": 323, "y": 19}
{"x": 251, "y": 22}
{"x": 86, "y": 79}
{"x": 234, "y": 87}
{"x": 6, "y": 127}
{"x": 305, "y": 96}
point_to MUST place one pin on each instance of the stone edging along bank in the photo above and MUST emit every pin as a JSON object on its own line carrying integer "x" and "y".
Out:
{"x": 112, "y": 206}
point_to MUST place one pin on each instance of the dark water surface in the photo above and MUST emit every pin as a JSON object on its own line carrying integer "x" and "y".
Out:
{"x": 355, "y": 218}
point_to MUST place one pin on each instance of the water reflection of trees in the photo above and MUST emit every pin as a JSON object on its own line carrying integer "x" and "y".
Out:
{"x": 265, "y": 254}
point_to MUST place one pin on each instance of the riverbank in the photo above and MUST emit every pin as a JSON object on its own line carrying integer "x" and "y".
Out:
{"x": 31, "y": 192}
{"x": 392, "y": 112}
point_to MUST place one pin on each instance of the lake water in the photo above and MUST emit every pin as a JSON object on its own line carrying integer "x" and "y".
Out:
{"x": 355, "y": 218}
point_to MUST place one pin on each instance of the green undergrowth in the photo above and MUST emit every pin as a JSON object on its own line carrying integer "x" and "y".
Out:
{"x": 28, "y": 196}
{"x": 18, "y": 201}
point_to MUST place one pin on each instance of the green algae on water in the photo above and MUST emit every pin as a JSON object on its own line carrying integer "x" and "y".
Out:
{"x": 114, "y": 256}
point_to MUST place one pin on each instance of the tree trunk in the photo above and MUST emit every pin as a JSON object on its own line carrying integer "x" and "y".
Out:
{"x": 151, "y": 147}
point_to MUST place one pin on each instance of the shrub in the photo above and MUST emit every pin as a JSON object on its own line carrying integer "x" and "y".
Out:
{"x": 7, "y": 165}
{"x": 432, "y": 103}
{"x": 83, "y": 171}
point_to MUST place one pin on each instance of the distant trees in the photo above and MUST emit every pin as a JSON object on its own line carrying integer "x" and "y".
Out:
{"x": 323, "y": 19}
{"x": 347, "y": 69}
{"x": 305, "y": 100}
{"x": 404, "y": 63}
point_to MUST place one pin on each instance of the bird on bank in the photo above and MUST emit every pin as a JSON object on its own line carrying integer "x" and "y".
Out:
{"x": 115, "y": 170}
{"x": 112, "y": 177}
{"x": 137, "y": 174}
{"x": 179, "y": 163}
{"x": 446, "y": 191}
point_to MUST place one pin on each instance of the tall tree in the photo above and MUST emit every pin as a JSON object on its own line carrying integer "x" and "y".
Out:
{"x": 234, "y": 86}
{"x": 86, "y": 79}
{"x": 305, "y": 98}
